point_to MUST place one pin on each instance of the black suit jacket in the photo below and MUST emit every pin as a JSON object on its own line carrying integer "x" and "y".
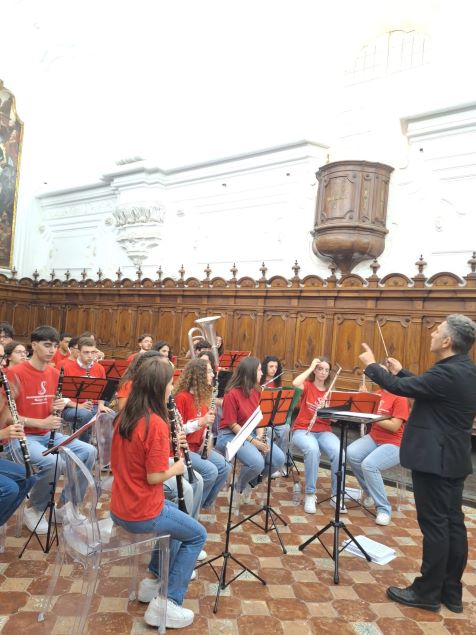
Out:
{"x": 437, "y": 436}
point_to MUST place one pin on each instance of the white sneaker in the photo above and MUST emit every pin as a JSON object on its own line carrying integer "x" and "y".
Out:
{"x": 276, "y": 474}
{"x": 202, "y": 556}
{"x": 368, "y": 501}
{"x": 31, "y": 516}
{"x": 193, "y": 576}
{"x": 343, "y": 508}
{"x": 177, "y": 616}
{"x": 148, "y": 590}
{"x": 382, "y": 518}
{"x": 310, "y": 503}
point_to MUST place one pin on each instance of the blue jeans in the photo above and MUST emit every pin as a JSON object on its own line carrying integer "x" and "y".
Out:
{"x": 214, "y": 472}
{"x": 367, "y": 459}
{"x": 187, "y": 537}
{"x": 192, "y": 492}
{"x": 14, "y": 486}
{"x": 79, "y": 418}
{"x": 45, "y": 465}
{"x": 310, "y": 446}
{"x": 254, "y": 463}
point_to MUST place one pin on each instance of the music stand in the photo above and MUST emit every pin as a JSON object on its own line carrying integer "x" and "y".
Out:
{"x": 275, "y": 404}
{"x": 87, "y": 388}
{"x": 114, "y": 368}
{"x": 52, "y": 533}
{"x": 230, "y": 359}
{"x": 231, "y": 451}
{"x": 343, "y": 415}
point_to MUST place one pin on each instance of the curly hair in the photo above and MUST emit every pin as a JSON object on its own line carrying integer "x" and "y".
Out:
{"x": 194, "y": 379}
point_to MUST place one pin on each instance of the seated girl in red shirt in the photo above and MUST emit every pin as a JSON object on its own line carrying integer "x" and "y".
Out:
{"x": 193, "y": 398}
{"x": 140, "y": 464}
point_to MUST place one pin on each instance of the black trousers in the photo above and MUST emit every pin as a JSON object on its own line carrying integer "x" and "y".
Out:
{"x": 445, "y": 544}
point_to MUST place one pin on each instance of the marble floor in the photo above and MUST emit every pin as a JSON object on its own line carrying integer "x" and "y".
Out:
{"x": 299, "y": 597}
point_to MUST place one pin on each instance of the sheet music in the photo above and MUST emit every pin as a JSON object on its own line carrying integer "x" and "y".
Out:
{"x": 379, "y": 553}
{"x": 246, "y": 429}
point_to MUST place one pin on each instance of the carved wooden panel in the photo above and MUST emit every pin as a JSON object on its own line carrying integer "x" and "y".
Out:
{"x": 125, "y": 328}
{"x": 105, "y": 326}
{"x": 347, "y": 340}
{"x": 273, "y": 337}
{"x": 309, "y": 338}
{"x": 165, "y": 327}
{"x": 21, "y": 318}
{"x": 147, "y": 320}
{"x": 244, "y": 331}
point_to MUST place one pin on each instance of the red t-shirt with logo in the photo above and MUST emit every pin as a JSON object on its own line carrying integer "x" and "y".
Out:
{"x": 394, "y": 406}
{"x": 132, "y": 497}
{"x": 311, "y": 398}
{"x": 188, "y": 411}
{"x": 237, "y": 407}
{"x": 35, "y": 391}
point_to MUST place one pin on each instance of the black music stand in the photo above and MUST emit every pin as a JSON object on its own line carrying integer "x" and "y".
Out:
{"x": 225, "y": 554}
{"x": 275, "y": 404}
{"x": 230, "y": 359}
{"x": 87, "y": 388}
{"x": 52, "y": 533}
{"x": 343, "y": 416}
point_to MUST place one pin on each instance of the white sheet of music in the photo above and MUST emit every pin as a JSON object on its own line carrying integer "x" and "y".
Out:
{"x": 246, "y": 429}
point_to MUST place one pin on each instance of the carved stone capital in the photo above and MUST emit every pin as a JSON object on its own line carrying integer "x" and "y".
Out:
{"x": 138, "y": 229}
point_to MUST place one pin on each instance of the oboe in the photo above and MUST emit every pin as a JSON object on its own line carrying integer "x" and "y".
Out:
{"x": 56, "y": 413}
{"x": 176, "y": 450}
{"x": 206, "y": 442}
{"x": 323, "y": 400}
{"x": 186, "y": 455}
{"x": 16, "y": 420}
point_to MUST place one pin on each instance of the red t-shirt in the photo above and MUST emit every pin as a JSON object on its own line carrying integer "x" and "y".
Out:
{"x": 124, "y": 391}
{"x": 131, "y": 357}
{"x": 132, "y": 497}
{"x": 188, "y": 411}
{"x": 310, "y": 398}
{"x": 73, "y": 369}
{"x": 237, "y": 407}
{"x": 396, "y": 407}
{"x": 35, "y": 390}
{"x": 59, "y": 358}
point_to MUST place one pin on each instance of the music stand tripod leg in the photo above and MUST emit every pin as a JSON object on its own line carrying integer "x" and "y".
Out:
{"x": 226, "y": 555}
{"x": 52, "y": 532}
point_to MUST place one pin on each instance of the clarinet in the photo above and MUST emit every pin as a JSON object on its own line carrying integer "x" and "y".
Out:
{"x": 56, "y": 413}
{"x": 206, "y": 442}
{"x": 186, "y": 455}
{"x": 15, "y": 418}
{"x": 176, "y": 450}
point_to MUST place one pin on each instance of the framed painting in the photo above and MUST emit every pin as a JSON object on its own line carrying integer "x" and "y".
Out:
{"x": 11, "y": 135}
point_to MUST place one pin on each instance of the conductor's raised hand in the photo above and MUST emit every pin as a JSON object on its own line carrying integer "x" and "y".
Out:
{"x": 367, "y": 357}
{"x": 393, "y": 365}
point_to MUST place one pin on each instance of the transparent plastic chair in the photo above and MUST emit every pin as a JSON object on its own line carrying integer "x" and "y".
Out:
{"x": 103, "y": 434}
{"x": 94, "y": 543}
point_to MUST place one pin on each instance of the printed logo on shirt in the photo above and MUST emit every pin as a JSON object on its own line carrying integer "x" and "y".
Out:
{"x": 42, "y": 390}
{"x": 41, "y": 396}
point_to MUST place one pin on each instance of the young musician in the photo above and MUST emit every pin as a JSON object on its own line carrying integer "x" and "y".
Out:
{"x": 73, "y": 352}
{"x": 241, "y": 400}
{"x": 7, "y": 333}
{"x": 14, "y": 485}
{"x": 34, "y": 386}
{"x": 62, "y": 352}
{"x": 272, "y": 371}
{"x": 84, "y": 366}
{"x": 379, "y": 450}
{"x": 192, "y": 398}
{"x": 145, "y": 342}
{"x": 163, "y": 348}
{"x": 314, "y": 382}
{"x": 15, "y": 353}
{"x": 193, "y": 492}
{"x": 140, "y": 464}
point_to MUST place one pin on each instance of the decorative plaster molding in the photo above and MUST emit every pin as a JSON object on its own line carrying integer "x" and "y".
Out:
{"x": 138, "y": 229}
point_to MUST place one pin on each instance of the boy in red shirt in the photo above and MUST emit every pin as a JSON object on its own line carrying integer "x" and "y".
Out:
{"x": 62, "y": 352}
{"x": 84, "y": 366}
{"x": 34, "y": 385}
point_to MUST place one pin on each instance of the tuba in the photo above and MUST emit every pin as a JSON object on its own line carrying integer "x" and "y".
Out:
{"x": 206, "y": 328}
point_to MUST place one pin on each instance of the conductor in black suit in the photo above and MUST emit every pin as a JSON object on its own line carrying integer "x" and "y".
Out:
{"x": 436, "y": 446}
